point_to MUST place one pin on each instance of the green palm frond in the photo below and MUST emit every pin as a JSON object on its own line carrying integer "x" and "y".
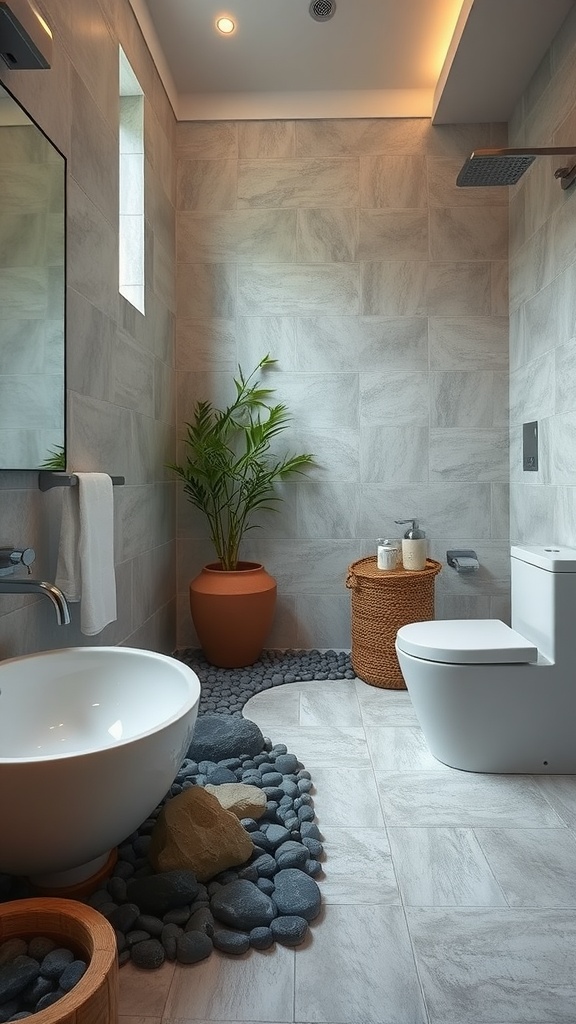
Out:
{"x": 230, "y": 472}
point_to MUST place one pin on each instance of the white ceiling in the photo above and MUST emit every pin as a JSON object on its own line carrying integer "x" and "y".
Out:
{"x": 455, "y": 60}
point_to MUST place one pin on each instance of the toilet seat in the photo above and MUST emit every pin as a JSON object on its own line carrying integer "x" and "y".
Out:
{"x": 465, "y": 642}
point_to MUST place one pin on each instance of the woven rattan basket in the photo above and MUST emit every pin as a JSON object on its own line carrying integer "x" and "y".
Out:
{"x": 382, "y": 602}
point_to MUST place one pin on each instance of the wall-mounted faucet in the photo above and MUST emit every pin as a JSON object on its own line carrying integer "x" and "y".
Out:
{"x": 10, "y": 558}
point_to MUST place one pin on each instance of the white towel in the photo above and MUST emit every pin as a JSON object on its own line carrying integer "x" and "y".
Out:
{"x": 85, "y": 570}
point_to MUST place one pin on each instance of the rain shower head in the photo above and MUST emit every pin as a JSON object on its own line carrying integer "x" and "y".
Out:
{"x": 506, "y": 166}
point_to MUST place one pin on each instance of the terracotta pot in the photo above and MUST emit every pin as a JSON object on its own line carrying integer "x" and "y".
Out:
{"x": 232, "y": 611}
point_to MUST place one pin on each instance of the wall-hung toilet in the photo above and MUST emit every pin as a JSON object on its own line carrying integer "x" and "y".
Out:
{"x": 491, "y": 698}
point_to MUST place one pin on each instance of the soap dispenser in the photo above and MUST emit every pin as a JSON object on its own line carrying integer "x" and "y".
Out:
{"x": 414, "y": 545}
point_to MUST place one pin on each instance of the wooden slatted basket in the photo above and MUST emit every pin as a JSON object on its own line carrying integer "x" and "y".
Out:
{"x": 382, "y": 602}
{"x": 94, "y": 999}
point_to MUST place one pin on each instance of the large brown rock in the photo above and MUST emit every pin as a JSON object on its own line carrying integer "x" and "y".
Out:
{"x": 244, "y": 801}
{"x": 193, "y": 831}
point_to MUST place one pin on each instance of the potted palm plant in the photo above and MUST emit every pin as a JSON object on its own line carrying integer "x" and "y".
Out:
{"x": 230, "y": 474}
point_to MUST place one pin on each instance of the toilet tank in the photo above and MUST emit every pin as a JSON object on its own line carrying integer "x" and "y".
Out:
{"x": 543, "y": 586}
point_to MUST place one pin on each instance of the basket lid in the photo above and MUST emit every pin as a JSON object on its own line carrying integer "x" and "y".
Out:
{"x": 366, "y": 569}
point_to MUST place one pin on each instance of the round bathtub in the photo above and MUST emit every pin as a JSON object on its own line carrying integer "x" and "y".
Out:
{"x": 91, "y": 739}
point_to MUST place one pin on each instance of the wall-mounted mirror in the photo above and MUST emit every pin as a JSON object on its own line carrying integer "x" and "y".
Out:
{"x": 32, "y": 292}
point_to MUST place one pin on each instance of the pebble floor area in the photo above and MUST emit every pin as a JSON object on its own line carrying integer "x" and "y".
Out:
{"x": 226, "y": 690}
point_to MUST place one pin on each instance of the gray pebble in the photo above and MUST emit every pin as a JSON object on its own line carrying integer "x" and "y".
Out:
{"x": 231, "y": 942}
{"x": 261, "y": 938}
{"x": 192, "y": 947}
{"x": 148, "y": 954}
{"x": 71, "y": 974}
{"x": 201, "y": 921}
{"x": 149, "y": 923}
{"x": 12, "y": 948}
{"x": 289, "y": 930}
{"x": 48, "y": 1000}
{"x": 54, "y": 963}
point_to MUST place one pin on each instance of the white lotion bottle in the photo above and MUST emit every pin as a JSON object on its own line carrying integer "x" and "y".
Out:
{"x": 414, "y": 546}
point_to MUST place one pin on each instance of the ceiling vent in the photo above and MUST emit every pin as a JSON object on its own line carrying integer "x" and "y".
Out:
{"x": 322, "y": 10}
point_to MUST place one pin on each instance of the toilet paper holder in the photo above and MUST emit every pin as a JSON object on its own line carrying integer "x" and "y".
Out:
{"x": 463, "y": 561}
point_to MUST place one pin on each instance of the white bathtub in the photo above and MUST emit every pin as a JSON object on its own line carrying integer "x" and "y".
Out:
{"x": 91, "y": 739}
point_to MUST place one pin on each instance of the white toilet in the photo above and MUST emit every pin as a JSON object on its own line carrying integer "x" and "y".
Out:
{"x": 494, "y": 699}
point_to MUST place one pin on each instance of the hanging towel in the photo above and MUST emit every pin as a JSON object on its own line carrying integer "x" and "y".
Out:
{"x": 85, "y": 570}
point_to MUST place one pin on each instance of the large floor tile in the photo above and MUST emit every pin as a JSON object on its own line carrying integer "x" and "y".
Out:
{"x": 384, "y": 707}
{"x": 333, "y": 702}
{"x": 346, "y": 798}
{"x": 144, "y": 993}
{"x": 443, "y": 867}
{"x": 359, "y": 969}
{"x": 483, "y": 966}
{"x": 140, "y": 1020}
{"x": 463, "y": 799}
{"x": 336, "y": 747}
{"x": 535, "y": 867}
{"x": 257, "y": 986}
{"x": 358, "y": 867}
{"x": 560, "y": 791}
{"x": 401, "y": 748}
{"x": 274, "y": 708}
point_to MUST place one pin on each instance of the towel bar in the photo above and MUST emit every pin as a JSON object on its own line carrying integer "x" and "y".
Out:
{"x": 48, "y": 478}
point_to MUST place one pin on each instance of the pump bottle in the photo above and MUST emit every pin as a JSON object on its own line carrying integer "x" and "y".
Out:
{"x": 414, "y": 545}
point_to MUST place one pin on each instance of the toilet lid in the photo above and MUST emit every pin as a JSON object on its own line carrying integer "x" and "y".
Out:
{"x": 465, "y": 642}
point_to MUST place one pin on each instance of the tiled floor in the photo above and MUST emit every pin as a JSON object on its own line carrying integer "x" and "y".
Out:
{"x": 449, "y": 898}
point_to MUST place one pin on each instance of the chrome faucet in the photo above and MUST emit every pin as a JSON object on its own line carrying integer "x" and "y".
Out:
{"x": 9, "y": 559}
{"x": 26, "y": 586}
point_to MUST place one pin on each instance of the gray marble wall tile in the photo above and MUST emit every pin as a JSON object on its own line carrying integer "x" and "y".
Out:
{"x": 565, "y": 514}
{"x": 444, "y": 192}
{"x": 268, "y": 236}
{"x": 342, "y": 983}
{"x": 461, "y": 606}
{"x": 206, "y": 185}
{"x": 323, "y": 569}
{"x": 352, "y": 856}
{"x": 336, "y": 451}
{"x": 499, "y": 291}
{"x": 396, "y": 182}
{"x": 367, "y": 137}
{"x": 460, "y": 139}
{"x": 207, "y": 140}
{"x": 468, "y": 233}
{"x": 455, "y": 289}
{"x": 500, "y": 511}
{"x": 467, "y": 454}
{"x": 205, "y": 344}
{"x": 393, "y": 235}
{"x": 94, "y": 151}
{"x": 443, "y": 867}
{"x": 297, "y": 183}
{"x": 302, "y": 289}
{"x": 327, "y": 510}
{"x": 394, "y": 455}
{"x": 562, "y": 436}
{"x": 463, "y": 399}
{"x": 87, "y": 273}
{"x": 380, "y": 343}
{"x": 393, "y": 398}
{"x": 447, "y": 509}
{"x": 395, "y": 288}
{"x": 532, "y": 513}
{"x": 565, "y": 378}
{"x": 532, "y": 390}
{"x": 327, "y": 236}
{"x": 266, "y": 139}
{"x": 133, "y": 376}
{"x": 257, "y": 335}
{"x": 468, "y": 342}
{"x": 206, "y": 290}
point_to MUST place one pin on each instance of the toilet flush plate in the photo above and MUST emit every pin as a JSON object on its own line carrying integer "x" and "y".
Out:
{"x": 466, "y": 642}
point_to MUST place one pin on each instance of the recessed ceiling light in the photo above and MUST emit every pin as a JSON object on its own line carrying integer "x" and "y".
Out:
{"x": 225, "y": 25}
